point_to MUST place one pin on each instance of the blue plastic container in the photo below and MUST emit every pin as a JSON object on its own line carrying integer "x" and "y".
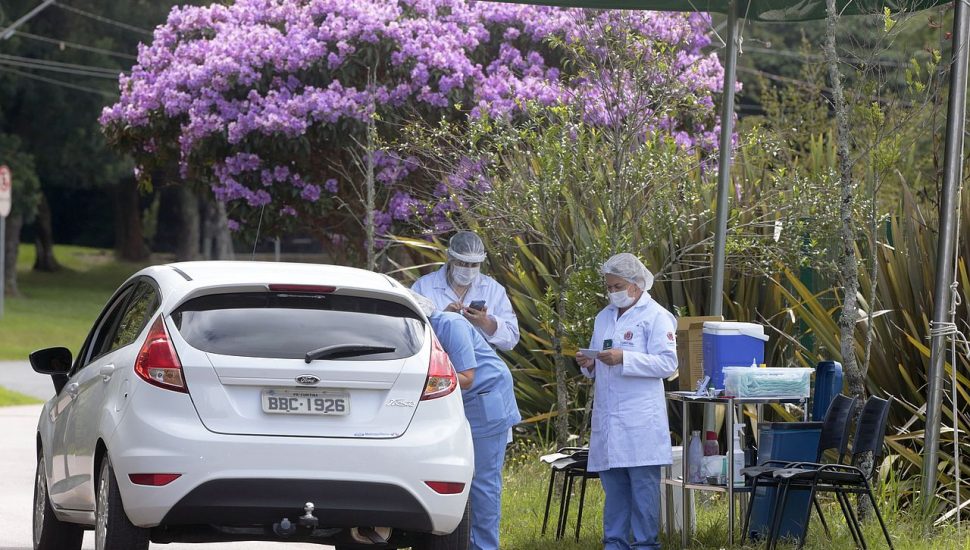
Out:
{"x": 828, "y": 384}
{"x": 731, "y": 344}
{"x": 788, "y": 441}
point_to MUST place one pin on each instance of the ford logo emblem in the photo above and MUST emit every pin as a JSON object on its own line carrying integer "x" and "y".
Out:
{"x": 307, "y": 379}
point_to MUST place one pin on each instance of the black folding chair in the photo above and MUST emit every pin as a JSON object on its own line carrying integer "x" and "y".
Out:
{"x": 841, "y": 479}
{"x": 571, "y": 467}
{"x": 834, "y": 437}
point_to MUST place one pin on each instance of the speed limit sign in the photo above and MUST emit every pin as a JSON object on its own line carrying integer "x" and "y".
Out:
{"x": 6, "y": 182}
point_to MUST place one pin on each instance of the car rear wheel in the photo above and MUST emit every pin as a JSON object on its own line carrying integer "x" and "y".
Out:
{"x": 51, "y": 533}
{"x": 456, "y": 540}
{"x": 112, "y": 529}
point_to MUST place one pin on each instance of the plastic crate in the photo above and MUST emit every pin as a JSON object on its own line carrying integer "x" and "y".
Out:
{"x": 767, "y": 382}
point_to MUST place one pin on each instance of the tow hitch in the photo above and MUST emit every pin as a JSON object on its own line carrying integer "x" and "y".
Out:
{"x": 286, "y": 528}
{"x": 308, "y": 519}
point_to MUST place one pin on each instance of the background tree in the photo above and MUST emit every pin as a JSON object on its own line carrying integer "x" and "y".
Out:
{"x": 26, "y": 196}
{"x": 56, "y": 75}
{"x": 261, "y": 100}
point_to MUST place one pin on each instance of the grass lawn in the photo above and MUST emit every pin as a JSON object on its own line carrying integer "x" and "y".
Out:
{"x": 10, "y": 398}
{"x": 524, "y": 499}
{"x": 57, "y": 309}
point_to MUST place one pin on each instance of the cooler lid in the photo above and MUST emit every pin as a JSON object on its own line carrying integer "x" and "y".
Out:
{"x": 753, "y": 330}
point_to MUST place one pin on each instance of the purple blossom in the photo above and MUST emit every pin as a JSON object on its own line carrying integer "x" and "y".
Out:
{"x": 258, "y": 79}
{"x": 310, "y": 193}
{"x": 382, "y": 221}
{"x": 402, "y": 206}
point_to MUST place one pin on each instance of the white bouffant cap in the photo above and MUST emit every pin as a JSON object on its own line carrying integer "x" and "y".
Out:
{"x": 466, "y": 246}
{"x": 628, "y": 267}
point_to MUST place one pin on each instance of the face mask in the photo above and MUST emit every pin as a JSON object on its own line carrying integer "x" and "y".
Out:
{"x": 621, "y": 299}
{"x": 464, "y": 276}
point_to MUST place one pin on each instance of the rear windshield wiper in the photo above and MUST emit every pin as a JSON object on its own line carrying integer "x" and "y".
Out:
{"x": 346, "y": 350}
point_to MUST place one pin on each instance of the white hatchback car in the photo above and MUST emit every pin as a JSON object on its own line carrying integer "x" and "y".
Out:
{"x": 217, "y": 401}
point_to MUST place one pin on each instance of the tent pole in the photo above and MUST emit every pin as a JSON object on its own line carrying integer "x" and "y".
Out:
{"x": 724, "y": 160}
{"x": 952, "y": 175}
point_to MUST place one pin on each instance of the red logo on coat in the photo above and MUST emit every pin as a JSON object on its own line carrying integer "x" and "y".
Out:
{"x": 628, "y": 335}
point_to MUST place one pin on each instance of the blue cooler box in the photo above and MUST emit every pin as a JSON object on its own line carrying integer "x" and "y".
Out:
{"x": 828, "y": 384}
{"x": 791, "y": 442}
{"x": 731, "y": 344}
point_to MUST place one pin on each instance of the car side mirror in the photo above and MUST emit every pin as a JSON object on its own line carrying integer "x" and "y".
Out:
{"x": 51, "y": 361}
{"x": 55, "y": 362}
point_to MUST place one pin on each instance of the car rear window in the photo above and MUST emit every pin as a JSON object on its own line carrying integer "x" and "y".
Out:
{"x": 287, "y": 326}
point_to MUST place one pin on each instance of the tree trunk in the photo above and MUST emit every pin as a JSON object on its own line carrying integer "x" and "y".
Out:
{"x": 129, "y": 238}
{"x": 188, "y": 234}
{"x": 216, "y": 238}
{"x": 678, "y": 298}
{"x": 44, "y": 240}
{"x": 849, "y": 263}
{"x": 12, "y": 237}
{"x": 222, "y": 240}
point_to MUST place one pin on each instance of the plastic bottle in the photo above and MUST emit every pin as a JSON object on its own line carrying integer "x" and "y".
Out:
{"x": 738, "y": 455}
{"x": 695, "y": 454}
{"x": 754, "y": 362}
{"x": 711, "y": 447}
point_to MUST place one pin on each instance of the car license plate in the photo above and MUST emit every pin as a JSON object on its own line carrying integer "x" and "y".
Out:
{"x": 306, "y": 402}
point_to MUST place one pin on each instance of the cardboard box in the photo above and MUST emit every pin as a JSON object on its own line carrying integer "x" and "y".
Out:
{"x": 690, "y": 350}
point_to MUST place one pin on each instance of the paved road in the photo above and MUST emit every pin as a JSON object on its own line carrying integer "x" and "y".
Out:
{"x": 17, "y": 462}
{"x": 18, "y": 376}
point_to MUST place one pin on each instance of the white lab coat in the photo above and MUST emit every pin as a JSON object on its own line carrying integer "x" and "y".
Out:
{"x": 435, "y": 287}
{"x": 629, "y": 407}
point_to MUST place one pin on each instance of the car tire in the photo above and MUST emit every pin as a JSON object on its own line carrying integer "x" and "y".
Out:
{"x": 459, "y": 539}
{"x": 51, "y": 533}
{"x": 112, "y": 528}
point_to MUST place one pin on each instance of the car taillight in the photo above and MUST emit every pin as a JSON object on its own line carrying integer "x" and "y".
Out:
{"x": 442, "y": 379}
{"x": 303, "y": 289}
{"x": 153, "y": 480}
{"x": 157, "y": 361}
{"x": 446, "y": 487}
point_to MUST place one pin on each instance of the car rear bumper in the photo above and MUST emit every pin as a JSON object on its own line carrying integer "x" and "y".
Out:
{"x": 266, "y": 501}
{"x": 250, "y": 480}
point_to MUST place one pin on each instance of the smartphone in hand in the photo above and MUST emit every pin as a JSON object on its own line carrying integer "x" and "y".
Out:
{"x": 477, "y": 305}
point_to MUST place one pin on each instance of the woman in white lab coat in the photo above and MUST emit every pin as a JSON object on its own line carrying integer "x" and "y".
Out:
{"x": 459, "y": 286}
{"x": 630, "y": 439}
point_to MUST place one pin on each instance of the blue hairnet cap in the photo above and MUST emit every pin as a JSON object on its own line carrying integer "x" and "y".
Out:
{"x": 466, "y": 246}
{"x": 629, "y": 268}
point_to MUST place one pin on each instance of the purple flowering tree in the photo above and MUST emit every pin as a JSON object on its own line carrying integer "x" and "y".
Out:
{"x": 267, "y": 102}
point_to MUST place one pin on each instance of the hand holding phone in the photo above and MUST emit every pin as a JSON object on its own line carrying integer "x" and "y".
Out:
{"x": 477, "y": 305}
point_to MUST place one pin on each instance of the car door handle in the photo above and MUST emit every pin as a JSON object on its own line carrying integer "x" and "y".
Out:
{"x": 72, "y": 389}
{"x": 106, "y": 372}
